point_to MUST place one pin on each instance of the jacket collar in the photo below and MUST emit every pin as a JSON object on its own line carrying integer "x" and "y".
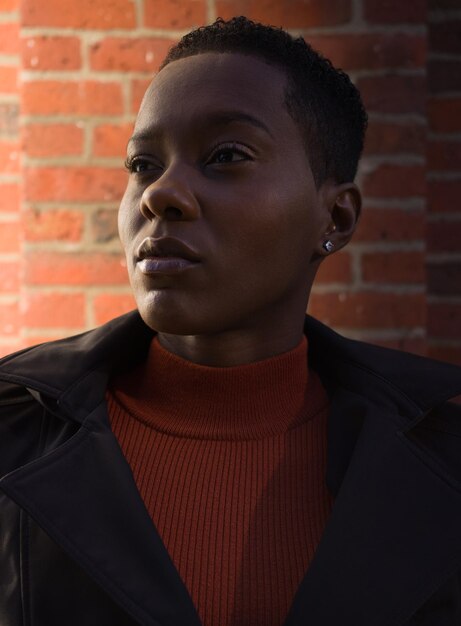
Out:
{"x": 384, "y": 549}
{"x": 64, "y": 370}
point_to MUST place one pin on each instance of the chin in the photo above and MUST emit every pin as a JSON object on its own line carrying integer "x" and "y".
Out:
{"x": 170, "y": 319}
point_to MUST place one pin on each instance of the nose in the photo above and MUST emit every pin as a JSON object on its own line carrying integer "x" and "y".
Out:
{"x": 170, "y": 197}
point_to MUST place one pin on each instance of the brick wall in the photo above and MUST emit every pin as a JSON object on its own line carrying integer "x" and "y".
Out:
{"x": 444, "y": 180}
{"x": 10, "y": 227}
{"x": 71, "y": 78}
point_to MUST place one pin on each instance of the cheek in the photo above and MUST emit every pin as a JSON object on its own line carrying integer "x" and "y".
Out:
{"x": 128, "y": 220}
{"x": 282, "y": 224}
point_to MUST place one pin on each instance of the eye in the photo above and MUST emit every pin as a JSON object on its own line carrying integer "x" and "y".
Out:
{"x": 138, "y": 165}
{"x": 229, "y": 153}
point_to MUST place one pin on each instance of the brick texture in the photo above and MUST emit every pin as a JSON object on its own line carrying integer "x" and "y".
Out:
{"x": 53, "y": 225}
{"x": 174, "y": 14}
{"x": 72, "y": 76}
{"x": 11, "y": 235}
{"x": 394, "y": 94}
{"x": 444, "y": 173}
{"x": 293, "y": 14}
{"x": 85, "y": 14}
{"x": 8, "y": 80}
{"x": 51, "y": 53}
{"x": 111, "y": 139}
{"x": 107, "y": 306}
{"x": 55, "y": 97}
{"x": 129, "y": 55}
{"x": 394, "y": 11}
{"x": 370, "y": 52}
{"x": 45, "y": 310}
{"x": 444, "y": 114}
{"x": 9, "y": 38}
{"x": 48, "y": 140}
{"x": 370, "y": 310}
{"x": 56, "y": 268}
{"x": 73, "y": 183}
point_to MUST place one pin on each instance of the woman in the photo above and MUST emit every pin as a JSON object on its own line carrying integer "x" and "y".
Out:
{"x": 215, "y": 457}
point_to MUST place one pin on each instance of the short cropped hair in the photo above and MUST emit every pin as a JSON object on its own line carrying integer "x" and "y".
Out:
{"x": 320, "y": 98}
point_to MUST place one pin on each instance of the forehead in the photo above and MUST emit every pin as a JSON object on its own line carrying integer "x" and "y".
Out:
{"x": 201, "y": 85}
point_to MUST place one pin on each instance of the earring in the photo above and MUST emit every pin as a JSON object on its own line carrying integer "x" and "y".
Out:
{"x": 328, "y": 245}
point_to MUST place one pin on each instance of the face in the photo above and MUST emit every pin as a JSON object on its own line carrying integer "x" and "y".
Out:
{"x": 221, "y": 221}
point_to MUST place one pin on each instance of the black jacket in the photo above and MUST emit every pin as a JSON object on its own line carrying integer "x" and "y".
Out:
{"x": 79, "y": 548}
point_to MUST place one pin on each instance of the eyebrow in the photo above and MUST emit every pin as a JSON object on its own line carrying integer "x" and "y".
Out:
{"x": 219, "y": 118}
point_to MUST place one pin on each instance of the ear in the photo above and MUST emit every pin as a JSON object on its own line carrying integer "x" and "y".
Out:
{"x": 343, "y": 203}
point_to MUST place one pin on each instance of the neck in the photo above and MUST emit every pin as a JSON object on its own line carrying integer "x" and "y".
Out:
{"x": 239, "y": 347}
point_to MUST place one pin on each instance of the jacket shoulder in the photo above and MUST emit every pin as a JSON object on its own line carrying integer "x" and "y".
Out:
{"x": 423, "y": 382}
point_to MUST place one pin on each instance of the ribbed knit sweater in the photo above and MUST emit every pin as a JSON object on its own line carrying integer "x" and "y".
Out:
{"x": 230, "y": 463}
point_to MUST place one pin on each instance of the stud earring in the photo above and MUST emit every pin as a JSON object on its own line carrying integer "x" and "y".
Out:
{"x": 328, "y": 245}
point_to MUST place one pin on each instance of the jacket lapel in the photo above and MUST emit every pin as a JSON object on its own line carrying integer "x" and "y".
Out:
{"x": 83, "y": 495}
{"x": 393, "y": 536}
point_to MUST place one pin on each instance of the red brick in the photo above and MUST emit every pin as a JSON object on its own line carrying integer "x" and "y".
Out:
{"x": 10, "y": 237}
{"x": 9, "y": 38}
{"x": 292, "y": 14}
{"x": 42, "y": 52}
{"x": 9, "y": 319}
{"x": 111, "y": 139}
{"x": 335, "y": 269}
{"x": 445, "y": 37}
{"x": 393, "y": 267}
{"x": 42, "y": 140}
{"x": 444, "y": 236}
{"x": 86, "y": 14}
{"x": 377, "y": 51}
{"x": 444, "y": 115}
{"x": 76, "y": 268}
{"x": 129, "y": 55}
{"x": 87, "y": 98}
{"x": 10, "y": 5}
{"x": 48, "y": 310}
{"x": 395, "y": 138}
{"x": 444, "y": 155}
{"x": 10, "y": 346}
{"x": 74, "y": 183}
{"x": 449, "y": 354}
{"x": 444, "y": 320}
{"x": 107, "y": 306}
{"x": 400, "y": 181}
{"x": 9, "y": 272}
{"x": 138, "y": 89}
{"x": 9, "y": 197}
{"x": 394, "y": 93}
{"x": 394, "y": 11}
{"x": 174, "y": 13}
{"x": 9, "y": 157}
{"x": 53, "y": 225}
{"x": 104, "y": 225}
{"x": 9, "y": 117}
{"x": 8, "y": 80}
{"x": 443, "y": 196}
{"x": 444, "y": 75}
{"x": 444, "y": 278}
{"x": 369, "y": 310}
{"x": 52, "y": 335}
{"x": 390, "y": 225}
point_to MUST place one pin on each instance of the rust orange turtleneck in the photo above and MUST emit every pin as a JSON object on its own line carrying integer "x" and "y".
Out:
{"x": 230, "y": 463}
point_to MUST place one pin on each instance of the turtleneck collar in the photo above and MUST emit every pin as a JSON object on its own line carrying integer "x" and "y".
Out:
{"x": 252, "y": 401}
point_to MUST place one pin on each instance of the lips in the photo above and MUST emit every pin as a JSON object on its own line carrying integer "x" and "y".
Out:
{"x": 165, "y": 256}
